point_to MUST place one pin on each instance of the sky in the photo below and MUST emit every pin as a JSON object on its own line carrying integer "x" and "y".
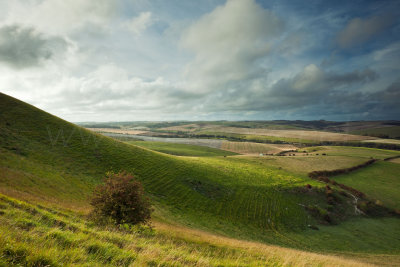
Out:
{"x": 140, "y": 60}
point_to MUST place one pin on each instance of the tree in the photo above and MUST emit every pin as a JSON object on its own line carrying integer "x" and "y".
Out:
{"x": 121, "y": 198}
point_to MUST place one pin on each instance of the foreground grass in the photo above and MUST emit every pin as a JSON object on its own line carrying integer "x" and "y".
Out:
{"x": 32, "y": 235}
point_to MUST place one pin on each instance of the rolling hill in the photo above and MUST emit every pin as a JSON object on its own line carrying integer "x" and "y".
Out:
{"x": 51, "y": 158}
{"x": 48, "y": 161}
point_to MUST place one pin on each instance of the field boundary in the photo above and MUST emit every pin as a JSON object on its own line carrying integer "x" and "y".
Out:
{"x": 316, "y": 174}
{"x": 323, "y": 176}
{"x": 390, "y": 158}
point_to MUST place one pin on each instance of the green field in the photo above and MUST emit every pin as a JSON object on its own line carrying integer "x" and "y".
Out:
{"x": 381, "y": 181}
{"x": 306, "y": 164}
{"x": 182, "y": 149}
{"x": 45, "y": 160}
{"x": 357, "y": 152}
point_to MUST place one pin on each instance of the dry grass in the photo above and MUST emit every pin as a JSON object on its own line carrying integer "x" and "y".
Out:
{"x": 397, "y": 160}
{"x": 250, "y": 148}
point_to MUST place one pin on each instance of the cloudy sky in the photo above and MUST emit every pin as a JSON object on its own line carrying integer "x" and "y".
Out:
{"x": 131, "y": 60}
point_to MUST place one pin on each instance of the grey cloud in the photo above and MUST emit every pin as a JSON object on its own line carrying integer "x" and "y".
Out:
{"x": 389, "y": 97}
{"x": 382, "y": 104}
{"x": 360, "y": 30}
{"x": 22, "y": 47}
{"x": 313, "y": 81}
{"x": 366, "y": 75}
{"x": 310, "y": 88}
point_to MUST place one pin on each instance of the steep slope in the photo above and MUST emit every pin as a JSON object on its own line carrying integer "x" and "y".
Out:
{"x": 46, "y": 157}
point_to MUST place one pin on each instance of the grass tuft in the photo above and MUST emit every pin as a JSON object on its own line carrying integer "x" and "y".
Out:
{"x": 60, "y": 238}
{"x": 15, "y": 255}
{"x": 25, "y": 224}
{"x": 40, "y": 261}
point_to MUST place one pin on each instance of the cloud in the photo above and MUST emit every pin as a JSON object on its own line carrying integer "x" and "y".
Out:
{"x": 314, "y": 84}
{"x": 359, "y": 30}
{"x": 59, "y": 16}
{"x": 234, "y": 59}
{"x": 140, "y": 23}
{"x": 227, "y": 43}
{"x": 309, "y": 88}
{"x": 379, "y": 105}
{"x": 22, "y": 47}
{"x": 390, "y": 97}
{"x": 106, "y": 93}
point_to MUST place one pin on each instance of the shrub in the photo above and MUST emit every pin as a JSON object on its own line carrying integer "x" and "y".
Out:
{"x": 121, "y": 199}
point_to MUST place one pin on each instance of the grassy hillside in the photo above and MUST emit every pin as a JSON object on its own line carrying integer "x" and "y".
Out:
{"x": 44, "y": 159}
{"x": 50, "y": 159}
